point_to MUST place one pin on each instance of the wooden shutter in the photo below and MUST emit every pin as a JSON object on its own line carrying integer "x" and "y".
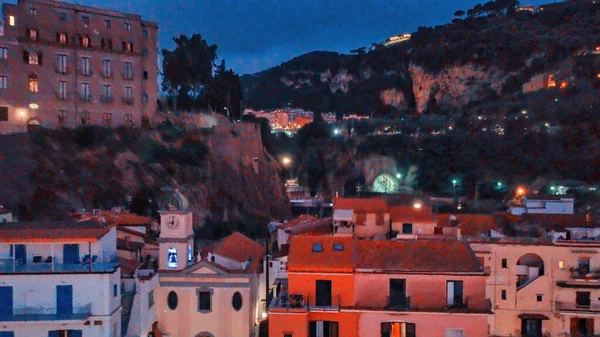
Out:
{"x": 411, "y": 330}
{"x": 386, "y": 329}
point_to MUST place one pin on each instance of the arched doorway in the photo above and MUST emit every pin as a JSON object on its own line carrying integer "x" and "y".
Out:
{"x": 33, "y": 124}
{"x": 529, "y": 267}
{"x": 263, "y": 328}
{"x": 205, "y": 334}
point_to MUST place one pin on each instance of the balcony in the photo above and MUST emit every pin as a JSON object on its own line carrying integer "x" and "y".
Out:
{"x": 583, "y": 274}
{"x": 459, "y": 305}
{"x": 324, "y": 304}
{"x": 107, "y": 99}
{"x": 402, "y": 304}
{"x": 574, "y": 307}
{"x": 289, "y": 303}
{"x": 127, "y": 76}
{"x": 48, "y": 266}
{"x": 38, "y": 314}
{"x": 62, "y": 97}
{"x": 107, "y": 74}
{"x": 86, "y": 72}
{"x": 128, "y": 100}
{"x": 64, "y": 70}
{"x": 87, "y": 97}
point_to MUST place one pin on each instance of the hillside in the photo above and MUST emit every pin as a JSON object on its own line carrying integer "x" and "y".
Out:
{"x": 471, "y": 61}
{"x": 55, "y": 171}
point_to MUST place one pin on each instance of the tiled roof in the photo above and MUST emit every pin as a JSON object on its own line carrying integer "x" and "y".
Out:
{"x": 424, "y": 256}
{"x": 129, "y": 245}
{"x": 122, "y": 218}
{"x": 67, "y": 230}
{"x": 410, "y": 214}
{"x": 367, "y": 205}
{"x": 128, "y": 266}
{"x": 473, "y": 225}
{"x": 556, "y": 222}
{"x": 240, "y": 248}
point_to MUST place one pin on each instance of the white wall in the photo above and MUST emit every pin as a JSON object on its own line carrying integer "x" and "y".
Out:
{"x": 226, "y": 262}
{"x": 142, "y": 316}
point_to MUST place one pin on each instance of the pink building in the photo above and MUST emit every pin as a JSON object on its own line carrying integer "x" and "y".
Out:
{"x": 340, "y": 286}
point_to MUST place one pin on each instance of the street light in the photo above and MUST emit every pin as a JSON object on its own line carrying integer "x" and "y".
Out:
{"x": 520, "y": 191}
{"x": 336, "y": 132}
{"x": 553, "y": 189}
{"x": 398, "y": 175}
{"x": 454, "y": 182}
{"x": 286, "y": 161}
{"x": 499, "y": 184}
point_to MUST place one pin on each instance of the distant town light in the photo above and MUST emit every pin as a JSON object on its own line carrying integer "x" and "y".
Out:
{"x": 11, "y": 21}
{"x": 561, "y": 264}
{"x": 417, "y": 205}
{"x": 336, "y": 131}
{"x": 454, "y": 181}
{"x": 33, "y": 106}
{"x": 22, "y": 113}
{"x": 264, "y": 315}
{"x": 398, "y": 175}
{"x": 499, "y": 184}
{"x": 524, "y": 112}
{"x": 552, "y": 188}
{"x": 286, "y": 161}
{"x": 520, "y": 191}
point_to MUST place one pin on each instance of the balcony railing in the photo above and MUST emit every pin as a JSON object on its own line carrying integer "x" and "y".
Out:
{"x": 128, "y": 100}
{"x": 574, "y": 307}
{"x": 85, "y": 97}
{"x": 107, "y": 98}
{"x": 86, "y": 72}
{"x": 583, "y": 274}
{"x": 62, "y": 69}
{"x": 28, "y": 314}
{"x": 289, "y": 302}
{"x": 107, "y": 74}
{"x": 459, "y": 304}
{"x": 48, "y": 265}
{"x": 400, "y": 304}
{"x": 62, "y": 97}
{"x": 127, "y": 76}
{"x": 324, "y": 304}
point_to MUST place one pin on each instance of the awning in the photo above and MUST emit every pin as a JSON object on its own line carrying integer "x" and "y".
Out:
{"x": 343, "y": 215}
{"x": 533, "y": 316}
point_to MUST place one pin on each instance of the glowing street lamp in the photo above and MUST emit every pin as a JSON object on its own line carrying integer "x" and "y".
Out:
{"x": 336, "y": 132}
{"x": 398, "y": 175}
{"x": 499, "y": 184}
{"x": 417, "y": 205}
{"x": 454, "y": 182}
{"x": 520, "y": 191}
{"x": 286, "y": 161}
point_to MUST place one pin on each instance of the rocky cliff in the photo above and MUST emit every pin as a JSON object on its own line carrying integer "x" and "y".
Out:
{"x": 475, "y": 59}
{"x": 224, "y": 171}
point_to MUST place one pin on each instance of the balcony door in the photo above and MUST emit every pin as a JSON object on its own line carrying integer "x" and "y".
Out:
{"x": 64, "y": 300}
{"x": 71, "y": 253}
{"x": 6, "y": 301}
{"x": 582, "y": 327}
{"x": 20, "y": 254}
{"x": 323, "y": 293}
{"x": 397, "y": 293}
{"x": 454, "y": 293}
{"x": 531, "y": 328}
{"x": 324, "y": 329}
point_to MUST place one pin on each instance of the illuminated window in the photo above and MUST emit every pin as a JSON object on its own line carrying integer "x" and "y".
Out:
{"x": 61, "y": 38}
{"x": 32, "y": 34}
{"x": 11, "y": 20}
{"x": 561, "y": 264}
{"x": 127, "y": 46}
{"x": 33, "y": 83}
{"x": 190, "y": 253}
{"x": 84, "y": 41}
{"x": 172, "y": 260}
{"x": 32, "y": 58}
{"x": 398, "y": 329}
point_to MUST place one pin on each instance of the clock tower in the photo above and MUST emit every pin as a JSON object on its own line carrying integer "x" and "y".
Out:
{"x": 176, "y": 241}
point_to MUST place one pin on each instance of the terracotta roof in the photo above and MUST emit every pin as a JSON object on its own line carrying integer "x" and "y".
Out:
{"x": 240, "y": 248}
{"x": 556, "y": 222}
{"x": 122, "y": 218}
{"x": 424, "y": 256}
{"x": 128, "y": 266}
{"x": 367, "y": 205}
{"x": 67, "y": 230}
{"x": 547, "y": 197}
{"x": 473, "y": 225}
{"x": 409, "y": 214}
{"x": 302, "y": 257}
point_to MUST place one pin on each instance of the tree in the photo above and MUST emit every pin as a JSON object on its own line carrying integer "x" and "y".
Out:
{"x": 459, "y": 13}
{"x": 188, "y": 68}
{"x": 225, "y": 92}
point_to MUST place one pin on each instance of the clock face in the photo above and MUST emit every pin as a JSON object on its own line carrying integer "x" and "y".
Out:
{"x": 385, "y": 183}
{"x": 172, "y": 222}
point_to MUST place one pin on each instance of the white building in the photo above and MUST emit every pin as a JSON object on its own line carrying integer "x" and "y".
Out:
{"x": 59, "y": 279}
{"x": 544, "y": 204}
{"x": 215, "y": 296}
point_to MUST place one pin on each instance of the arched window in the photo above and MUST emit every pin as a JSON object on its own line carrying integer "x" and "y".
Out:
{"x": 33, "y": 83}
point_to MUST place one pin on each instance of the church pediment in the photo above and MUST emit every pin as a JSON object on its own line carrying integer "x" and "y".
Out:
{"x": 205, "y": 268}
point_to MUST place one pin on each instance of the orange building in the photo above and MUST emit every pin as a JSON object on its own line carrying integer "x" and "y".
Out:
{"x": 340, "y": 286}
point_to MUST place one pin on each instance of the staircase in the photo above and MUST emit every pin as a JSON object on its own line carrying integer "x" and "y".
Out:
{"x": 126, "y": 304}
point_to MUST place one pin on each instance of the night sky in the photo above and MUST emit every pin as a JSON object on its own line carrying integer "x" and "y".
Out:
{"x": 253, "y": 35}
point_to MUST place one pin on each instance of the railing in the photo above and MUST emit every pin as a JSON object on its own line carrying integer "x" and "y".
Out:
{"x": 62, "y": 97}
{"x": 43, "y": 265}
{"x": 570, "y": 306}
{"x": 86, "y": 72}
{"x": 401, "y": 304}
{"x": 107, "y": 74}
{"x": 62, "y": 69}
{"x": 85, "y": 97}
{"x": 26, "y": 314}
{"x": 128, "y": 100}
{"x": 585, "y": 274}
{"x": 127, "y": 76}
{"x": 462, "y": 304}
{"x": 288, "y": 302}
{"x": 107, "y": 99}
{"x": 325, "y": 304}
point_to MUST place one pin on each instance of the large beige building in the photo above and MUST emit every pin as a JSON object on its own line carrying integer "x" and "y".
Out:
{"x": 66, "y": 65}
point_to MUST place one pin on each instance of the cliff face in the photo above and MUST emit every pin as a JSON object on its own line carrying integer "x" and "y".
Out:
{"x": 471, "y": 60}
{"x": 223, "y": 171}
